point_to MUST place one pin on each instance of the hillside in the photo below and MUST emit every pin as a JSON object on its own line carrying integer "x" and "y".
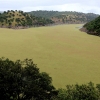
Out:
{"x": 1, "y": 11}
{"x": 19, "y": 19}
{"x": 65, "y": 16}
{"x": 92, "y": 27}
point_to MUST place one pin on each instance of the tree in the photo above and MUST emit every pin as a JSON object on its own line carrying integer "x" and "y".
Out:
{"x": 79, "y": 92}
{"x": 93, "y": 27}
{"x": 21, "y": 80}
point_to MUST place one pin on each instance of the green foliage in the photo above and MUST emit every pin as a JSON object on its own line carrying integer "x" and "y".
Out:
{"x": 93, "y": 27}
{"x": 21, "y": 80}
{"x": 79, "y": 92}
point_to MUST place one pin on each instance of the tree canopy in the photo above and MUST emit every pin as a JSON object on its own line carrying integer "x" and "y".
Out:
{"x": 93, "y": 27}
{"x": 22, "y": 80}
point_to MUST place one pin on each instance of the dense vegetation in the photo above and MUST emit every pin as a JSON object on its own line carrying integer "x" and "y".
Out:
{"x": 65, "y": 16}
{"x": 13, "y": 19}
{"x": 80, "y": 92}
{"x": 21, "y": 80}
{"x": 93, "y": 27}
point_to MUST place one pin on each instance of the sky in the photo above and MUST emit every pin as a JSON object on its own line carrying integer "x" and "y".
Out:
{"x": 85, "y": 6}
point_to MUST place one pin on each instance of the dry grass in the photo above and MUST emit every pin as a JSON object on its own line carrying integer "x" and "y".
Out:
{"x": 68, "y": 55}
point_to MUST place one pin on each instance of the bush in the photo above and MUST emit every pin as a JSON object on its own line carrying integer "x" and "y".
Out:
{"x": 79, "y": 92}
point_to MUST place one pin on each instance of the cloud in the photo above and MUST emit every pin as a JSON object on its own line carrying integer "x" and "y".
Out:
{"x": 66, "y": 7}
{"x": 58, "y": 5}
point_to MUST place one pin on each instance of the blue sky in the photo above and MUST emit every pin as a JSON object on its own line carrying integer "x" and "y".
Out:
{"x": 86, "y": 6}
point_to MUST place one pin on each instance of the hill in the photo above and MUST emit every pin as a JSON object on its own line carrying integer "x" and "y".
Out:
{"x": 92, "y": 27}
{"x": 20, "y": 19}
{"x": 1, "y": 11}
{"x": 65, "y": 16}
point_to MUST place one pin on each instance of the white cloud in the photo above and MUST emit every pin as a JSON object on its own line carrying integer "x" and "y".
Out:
{"x": 66, "y": 7}
{"x": 58, "y": 5}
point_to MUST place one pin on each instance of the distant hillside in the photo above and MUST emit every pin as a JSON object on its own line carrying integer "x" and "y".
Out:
{"x": 19, "y": 19}
{"x": 92, "y": 27}
{"x": 1, "y": 11}
{"x": 65, "y": 16}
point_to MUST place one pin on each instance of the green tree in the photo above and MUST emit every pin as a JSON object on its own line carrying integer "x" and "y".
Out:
{"x": 21, "y": 80}
{"x": 93, "y": 27}
{"x": 79, "y": 92}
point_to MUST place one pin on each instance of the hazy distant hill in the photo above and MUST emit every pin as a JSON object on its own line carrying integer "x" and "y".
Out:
{"x": 20, "y": 19}
{"x": 65, "y": 16}
{"x": 1, "y": 11}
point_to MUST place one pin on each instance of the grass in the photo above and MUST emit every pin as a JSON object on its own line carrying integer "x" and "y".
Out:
{"x": 66, "y": 54}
